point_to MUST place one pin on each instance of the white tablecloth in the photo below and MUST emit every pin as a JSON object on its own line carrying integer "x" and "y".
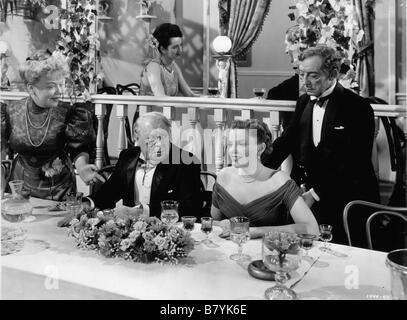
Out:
{"x": 51, "y": 267}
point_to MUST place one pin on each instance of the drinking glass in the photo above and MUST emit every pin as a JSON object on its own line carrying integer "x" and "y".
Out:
{"x": 306, "y": 243}
{"x": 169, "y": 212}
{"x": 259, "y": 92}
{"x": 213, "y": 92}
{"x": 281, "y": 254}
{"x": 74, "y": 203}
{"x": 206, "y": 227}
{"x": 188, "y": 222}
{"x": 325, "y": 235}
{"x": 239, "y": 234}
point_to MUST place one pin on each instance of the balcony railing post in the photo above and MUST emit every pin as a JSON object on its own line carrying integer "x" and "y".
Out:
{"x": 121, "y": 113}
{"x": 193, "y": 117}
{"x": 274, "y": 124}
{"x": 247, "y": 114}
{"x": 219, "y": 118}
{"x": 100, "y": 112}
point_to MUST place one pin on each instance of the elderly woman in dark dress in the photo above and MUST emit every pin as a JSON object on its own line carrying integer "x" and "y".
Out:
{"x": 48, "y": 136}
{"x": 267, "y": 197}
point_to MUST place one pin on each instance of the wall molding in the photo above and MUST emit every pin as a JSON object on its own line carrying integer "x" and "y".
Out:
{"x": 257, "y": 73}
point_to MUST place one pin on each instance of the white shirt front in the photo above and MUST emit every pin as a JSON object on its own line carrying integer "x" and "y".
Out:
{"x": 142, "y": 185}
{"x": 318, "y": 114}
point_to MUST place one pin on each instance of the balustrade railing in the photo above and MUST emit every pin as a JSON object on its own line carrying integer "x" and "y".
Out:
{"x": 268, "y": 110}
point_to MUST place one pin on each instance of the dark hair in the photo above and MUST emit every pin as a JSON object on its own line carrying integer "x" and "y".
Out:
{"x": 262, "y": 131}
{"x": 331, "y": 60}
{"x": 164, "y": 32}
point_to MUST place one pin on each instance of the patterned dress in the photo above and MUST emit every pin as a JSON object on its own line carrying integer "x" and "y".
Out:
{"x": 169, "y": 80}
{"x": 46, "y": 142}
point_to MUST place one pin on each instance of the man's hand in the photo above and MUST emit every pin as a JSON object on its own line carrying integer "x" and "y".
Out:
{"x": 89, "y": 174}
{"x": 308, "y": 198}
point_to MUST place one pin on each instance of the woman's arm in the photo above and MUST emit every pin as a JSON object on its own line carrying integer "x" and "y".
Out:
{"x": 216, "y": 214}
{"x": 87, "y": 172}
{"x": 304, "y": 222}
{"x": 184, "y": 88}
{"x": 154, "y": 78}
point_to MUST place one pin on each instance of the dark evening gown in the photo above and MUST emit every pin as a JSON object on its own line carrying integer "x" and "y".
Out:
{"x": 269, "y": 210}
{"x": 44, "y": 155}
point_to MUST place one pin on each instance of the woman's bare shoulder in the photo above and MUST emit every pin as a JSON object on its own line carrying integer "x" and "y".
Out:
{"x": 278, "y": 178}
{"x": 225, "y": 175}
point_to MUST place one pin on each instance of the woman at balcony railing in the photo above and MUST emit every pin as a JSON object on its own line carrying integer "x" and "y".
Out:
{"x": 161, "y": 75}
{"x": 47, "y": 136}
{"x": 248, "y": 188}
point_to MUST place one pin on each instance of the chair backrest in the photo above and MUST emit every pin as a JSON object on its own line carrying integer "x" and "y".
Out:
{"x": 386, "y": 213}
{"x": 134, "y": 89}
{"x": 207, "y": 179}
{"x": 106, "y": 172}
{"x": 369, "y": 205}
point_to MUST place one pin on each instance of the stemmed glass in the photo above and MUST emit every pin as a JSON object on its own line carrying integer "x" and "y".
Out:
{"x": 306, "y": 243}
{"x": 259, "y": 92}
{"x": 169, "y": 212}
{"x": 206, "y": 227}
{"x": 325, "y": 235}
{"x": 281, "y": 255}
{"x": 188, "y": 223}
{"x": 239, "y": 234}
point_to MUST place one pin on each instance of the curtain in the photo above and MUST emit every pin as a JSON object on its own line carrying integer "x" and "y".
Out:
{"x": 365, "y": 64}
{"x": 241, "y": 21}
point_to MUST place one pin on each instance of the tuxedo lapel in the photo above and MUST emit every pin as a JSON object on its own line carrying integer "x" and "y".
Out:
{"x": 331, "y": 112}
{"x": 131, "y": 174}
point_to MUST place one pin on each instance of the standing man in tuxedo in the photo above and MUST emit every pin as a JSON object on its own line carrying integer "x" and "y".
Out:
{"x": 330, "y": 137}
{"x": 153, "y": 171}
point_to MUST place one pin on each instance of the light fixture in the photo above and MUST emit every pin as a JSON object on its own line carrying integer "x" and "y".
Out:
{"x": 222, "y": 44}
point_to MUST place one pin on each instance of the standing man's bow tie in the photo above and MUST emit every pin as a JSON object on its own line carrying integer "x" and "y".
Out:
{"x": 320, "y": 100}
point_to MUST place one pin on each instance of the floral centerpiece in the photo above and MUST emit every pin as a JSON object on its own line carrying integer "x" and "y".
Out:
{"x": 139, "y": 239}
{"x": 329, "y": 22}
{"x": 281, "y": 244}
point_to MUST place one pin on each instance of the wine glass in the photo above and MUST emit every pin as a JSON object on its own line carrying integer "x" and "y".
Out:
{"x": 281, "y": 254}
{"x": 325, "y": 235}
{"x": 188, "y": 222}
{"x": 213, "y": 92}
{"x": 259, "y": 92}
{"x": 169, "y": 212}
{"x": 306, "y": 243}
{"x": 239, "y": 234}
{"x": 206, "y": 227}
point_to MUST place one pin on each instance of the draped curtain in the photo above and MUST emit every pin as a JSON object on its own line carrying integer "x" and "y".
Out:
{"x": 241, "y": 21}
{"x": 365, "y": 63}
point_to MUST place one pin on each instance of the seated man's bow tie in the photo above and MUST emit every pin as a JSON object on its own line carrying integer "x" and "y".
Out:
{"x": 145, "y": 165}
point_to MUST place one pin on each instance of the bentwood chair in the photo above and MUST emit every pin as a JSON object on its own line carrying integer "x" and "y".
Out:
{"x": 364, "y": 205}
{"x": 134, "y": 89}
{"x": 401, "y": 236}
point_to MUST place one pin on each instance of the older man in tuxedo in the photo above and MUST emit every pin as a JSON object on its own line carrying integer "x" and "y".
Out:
{"x": 153, "y": 171}
{"x": 330, "y": 137}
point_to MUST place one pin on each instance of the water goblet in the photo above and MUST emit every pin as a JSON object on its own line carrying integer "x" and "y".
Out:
{"x": 206, "y": 227}
{"x": 239, "y": 234}
{"x": 169, "y": 212}
{"x": 281, "y": 254}
{"x": 259, "y": 92}
{"x": 325, "y": 235}
{"x": 306, "y": 243}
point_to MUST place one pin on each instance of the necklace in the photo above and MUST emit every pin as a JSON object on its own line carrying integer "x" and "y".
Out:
{"x": 27, "y": 119}
{"x": 168, "y": 68}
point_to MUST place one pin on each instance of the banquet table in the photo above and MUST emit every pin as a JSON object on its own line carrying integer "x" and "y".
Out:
{"x": 50, "y": 266}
